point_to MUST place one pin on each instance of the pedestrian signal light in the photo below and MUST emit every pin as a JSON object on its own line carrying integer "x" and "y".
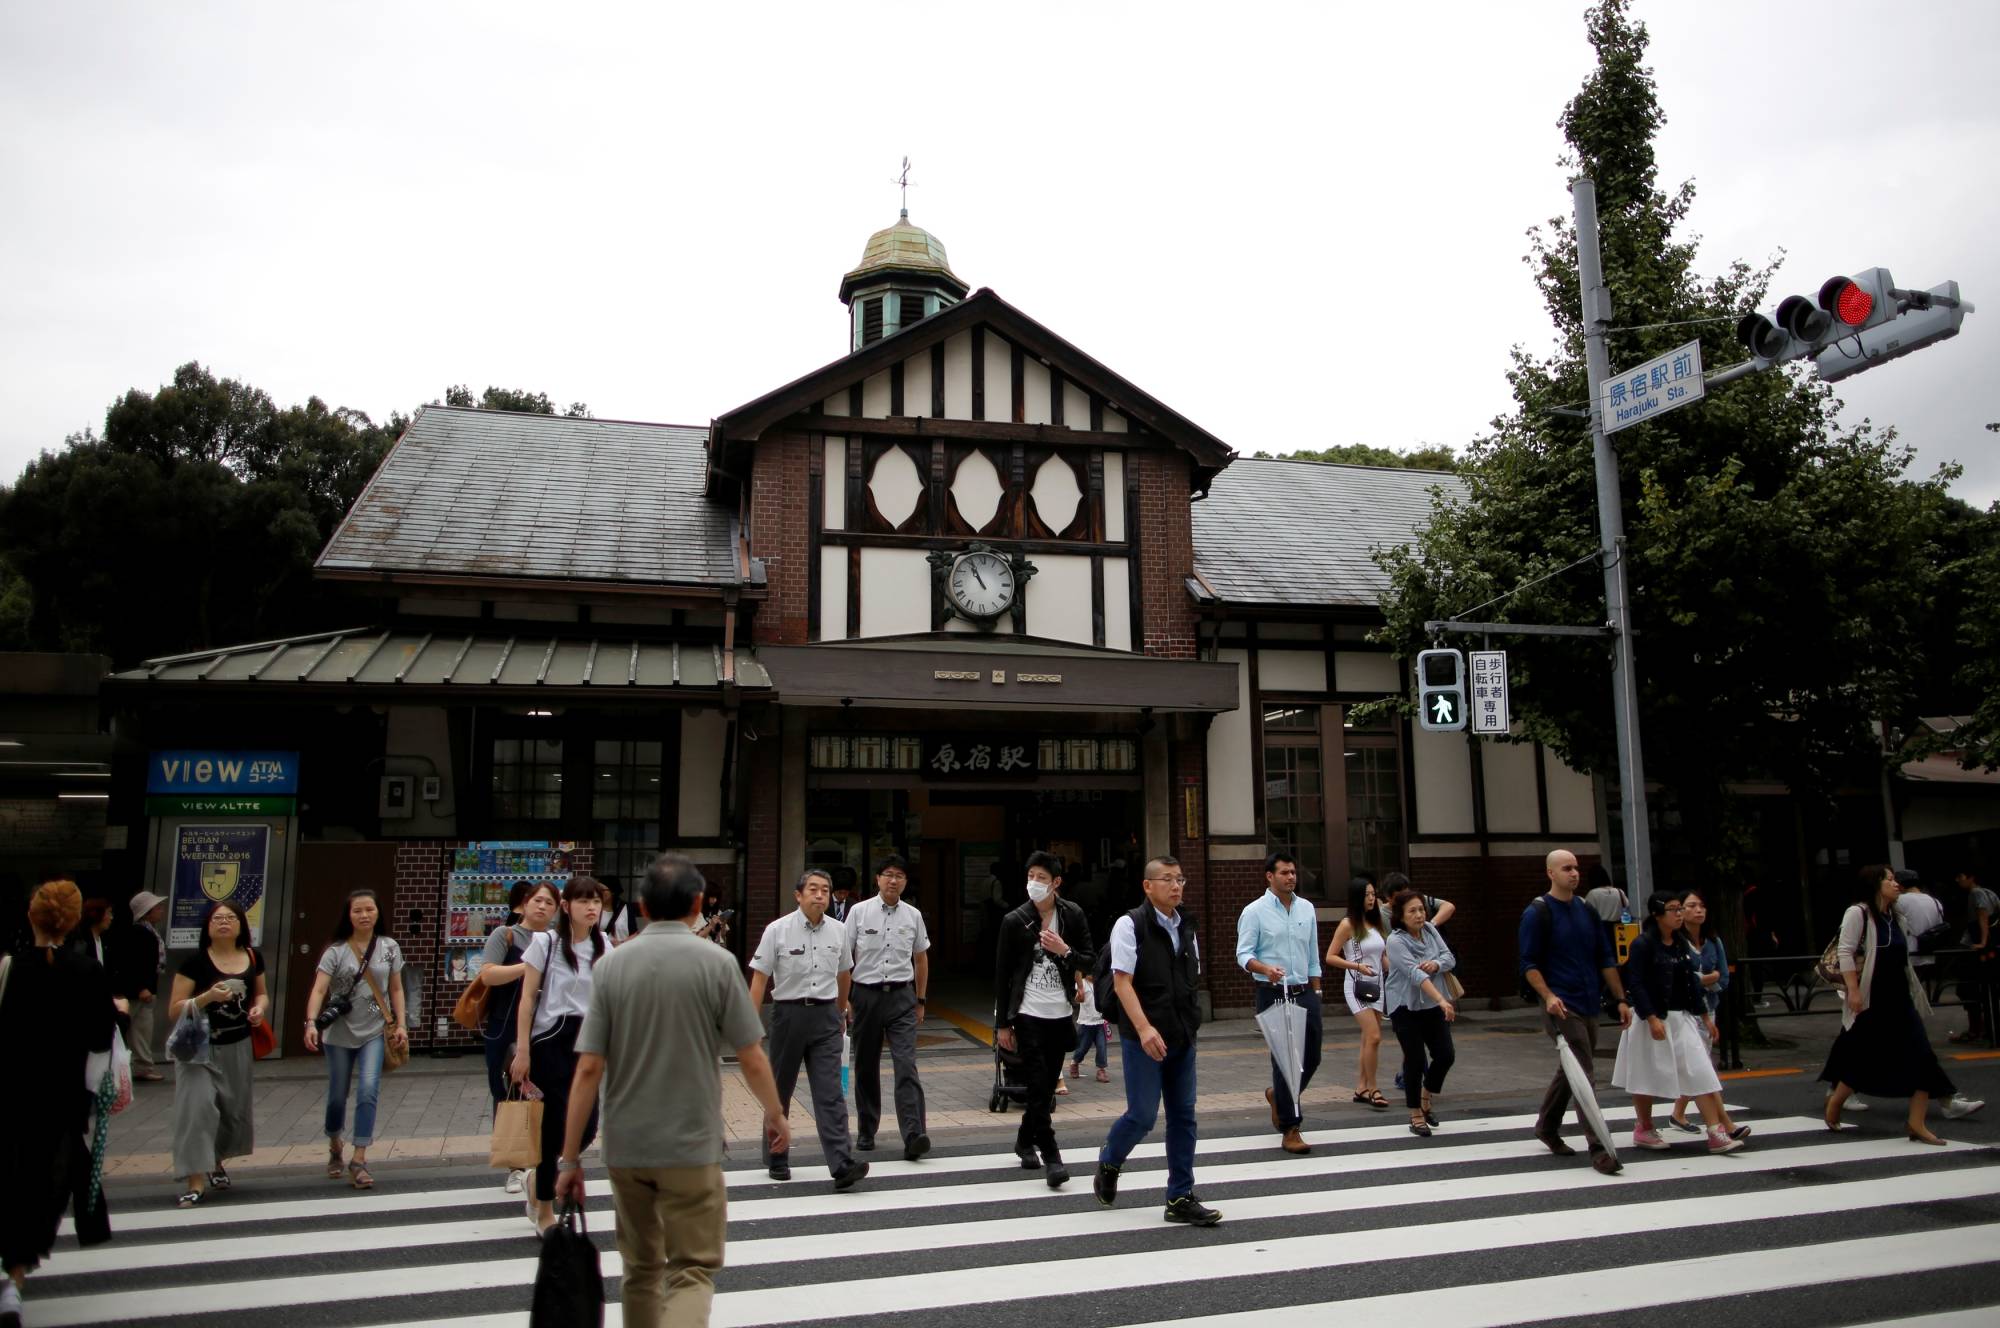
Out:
{"x": 1441, "y": 690}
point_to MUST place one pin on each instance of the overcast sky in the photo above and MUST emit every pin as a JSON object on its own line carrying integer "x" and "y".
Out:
{"x": 1298, "y": 226}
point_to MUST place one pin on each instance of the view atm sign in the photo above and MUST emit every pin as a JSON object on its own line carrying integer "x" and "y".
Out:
{"x": 223, "y": 772}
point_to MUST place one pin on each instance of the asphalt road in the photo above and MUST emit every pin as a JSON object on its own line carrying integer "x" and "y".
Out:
{"x": 1475, "y": 1225}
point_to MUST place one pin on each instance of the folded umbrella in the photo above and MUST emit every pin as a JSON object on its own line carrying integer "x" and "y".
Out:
{"x": 1283, "y": 1024}
{"x": 1585, "y": 1094}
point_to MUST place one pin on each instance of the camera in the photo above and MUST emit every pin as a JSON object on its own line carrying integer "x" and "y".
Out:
{"x": 332, "y": 1011}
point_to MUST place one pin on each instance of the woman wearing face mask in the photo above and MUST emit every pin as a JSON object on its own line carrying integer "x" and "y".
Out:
{"x": 530, "y": 909}
{"x": 555, "y": 995}
{"x": 1044, "y": 945}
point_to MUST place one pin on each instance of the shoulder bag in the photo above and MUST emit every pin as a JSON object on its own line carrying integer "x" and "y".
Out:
{"x": 394, "y": 1055}
{"x": 263, "y": 1037}
{"x": 470, "y": 1011}
{"x": 569, "y": 1280}
{"x": 1827, "y": 970}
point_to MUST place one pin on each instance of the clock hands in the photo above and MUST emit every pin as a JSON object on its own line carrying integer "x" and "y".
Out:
{"x": 976, "y": 576}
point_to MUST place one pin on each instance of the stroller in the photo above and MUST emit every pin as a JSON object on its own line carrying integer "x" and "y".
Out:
{"x": 1010, "y": 1085}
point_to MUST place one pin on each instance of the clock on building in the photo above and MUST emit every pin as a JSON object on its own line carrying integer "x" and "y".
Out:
{"x": 980, "y": 583}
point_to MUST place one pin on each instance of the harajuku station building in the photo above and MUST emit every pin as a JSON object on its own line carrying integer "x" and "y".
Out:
{"x": 961, "y": 593}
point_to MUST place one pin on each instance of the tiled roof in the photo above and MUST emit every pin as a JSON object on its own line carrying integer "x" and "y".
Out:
{"x": 492, "y": 493}
{"x": 1300, "y": 532}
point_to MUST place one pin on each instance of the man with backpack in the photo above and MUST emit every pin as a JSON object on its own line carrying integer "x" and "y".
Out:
{"x": 1566, "y": 964}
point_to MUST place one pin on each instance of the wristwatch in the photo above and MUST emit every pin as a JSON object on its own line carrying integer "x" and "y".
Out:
{"x": 569, "y": 1164}
{"x": 921, "y": 1001}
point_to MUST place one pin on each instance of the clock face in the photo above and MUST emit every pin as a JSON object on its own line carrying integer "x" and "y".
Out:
{"x": 981, "y": 585}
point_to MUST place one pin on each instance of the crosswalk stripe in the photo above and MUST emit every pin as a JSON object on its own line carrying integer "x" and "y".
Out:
{"x": 753, "y": 1252}
{"x": 1267, "y": 1256}
{"x": 1587, "y": 1295}
{"x": 986, "y": 1284}
{"x": 347, "y": 1204}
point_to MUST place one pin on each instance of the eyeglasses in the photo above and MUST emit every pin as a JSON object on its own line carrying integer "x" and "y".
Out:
{"x": 896, "y": 878}
{"x": 1169, "y": 880}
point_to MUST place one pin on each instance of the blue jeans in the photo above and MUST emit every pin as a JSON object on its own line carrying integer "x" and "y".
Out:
{"x": 341, "y": 1064}
{"x": 1146, "y": 1082}
{"x": 1092, "y": 1035}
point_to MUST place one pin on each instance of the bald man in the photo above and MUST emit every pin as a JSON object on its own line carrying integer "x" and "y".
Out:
{"x": 1568, "y": 962}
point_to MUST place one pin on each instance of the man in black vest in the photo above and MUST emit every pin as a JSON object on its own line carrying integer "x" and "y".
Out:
{"x": 1156, "y": 968}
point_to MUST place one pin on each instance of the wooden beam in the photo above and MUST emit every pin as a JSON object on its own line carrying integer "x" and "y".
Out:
{"x": 1097, "y": 599}
{"x": 854, "y": 400}
{"x": 937, "y": 380}
{"x": 979, "y": 431}
{"x": 978, "y": 372}
{"x": 875, "y": 540}
{"x": 853, "y": 591}
{"x": 896, "y": 388}
{"x": 1020, "y": 376}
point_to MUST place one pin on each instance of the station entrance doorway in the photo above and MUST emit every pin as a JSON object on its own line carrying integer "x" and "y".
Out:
{"x": 968, "y": 851}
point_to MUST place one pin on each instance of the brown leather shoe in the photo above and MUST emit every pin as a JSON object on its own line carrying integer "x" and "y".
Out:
{"x": 1554, "y": 1143}
{"x": 1605, "y": 1164}
{"x": 1271, "y": 1096}
{"x": 1295, "y": 1143}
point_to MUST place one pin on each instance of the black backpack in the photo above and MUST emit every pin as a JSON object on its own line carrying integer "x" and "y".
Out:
{"x": 1541, "y": 905}
{"x": 1104, "y": 987}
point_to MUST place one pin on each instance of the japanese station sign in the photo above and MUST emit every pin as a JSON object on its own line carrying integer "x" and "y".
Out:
{"x": 981, "y": 756}
{"x": 1488, "y": 703}
{"x": 1653, "y": 388}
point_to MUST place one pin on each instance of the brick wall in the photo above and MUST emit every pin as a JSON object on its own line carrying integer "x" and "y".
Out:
{"x": 1231, "y": 885}
{"x": 51, "y": 827}
{"x": 760, "y": 839}
{"x": 1166, "y": 552}
{"x": 779, "y": 533}
{"x": 1490, "y": 894}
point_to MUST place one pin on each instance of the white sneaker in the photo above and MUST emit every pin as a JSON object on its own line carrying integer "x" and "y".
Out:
{"x": 10, "y": 1300}
{"x": 534, "y": 1214}
{"x": 1959, "y": 1106}
{"x": 514, "y": 1181}
{"x": 1853, "y": 1103}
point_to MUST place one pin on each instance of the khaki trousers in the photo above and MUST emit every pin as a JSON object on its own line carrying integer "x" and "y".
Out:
{"x": 670, "y": 1234}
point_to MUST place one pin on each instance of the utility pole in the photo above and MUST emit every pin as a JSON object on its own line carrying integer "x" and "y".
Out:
{"x": 1611, "y": 531}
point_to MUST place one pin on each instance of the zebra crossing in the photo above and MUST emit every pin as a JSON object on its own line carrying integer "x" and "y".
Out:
{"x": 1478, "y": 1225}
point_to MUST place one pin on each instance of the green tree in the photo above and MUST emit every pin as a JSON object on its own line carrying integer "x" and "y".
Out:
{"x": 508, "y": 398}
{"x": 192, "y": 522}
{"x": 1781, "y": 570}
{"x": 1431, "y": 456}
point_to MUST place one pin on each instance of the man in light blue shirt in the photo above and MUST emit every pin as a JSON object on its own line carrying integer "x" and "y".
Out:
{"x": 1277, "y": 943}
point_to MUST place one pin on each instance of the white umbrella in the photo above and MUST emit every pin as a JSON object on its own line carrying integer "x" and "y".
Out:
{"x": 1586, "y": 1096}
{"x": 1284, "y": 1027}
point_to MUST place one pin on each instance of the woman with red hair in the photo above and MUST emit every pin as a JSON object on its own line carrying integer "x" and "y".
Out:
{"x": 55, "y": 1009}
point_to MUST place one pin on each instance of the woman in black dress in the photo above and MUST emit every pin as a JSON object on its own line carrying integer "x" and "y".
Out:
{"x": 1883, "y": 1049}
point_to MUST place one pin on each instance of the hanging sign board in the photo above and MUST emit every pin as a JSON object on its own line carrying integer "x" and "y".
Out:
{"x": 1489, "y": 691}
{"x": 1654, "y": 388}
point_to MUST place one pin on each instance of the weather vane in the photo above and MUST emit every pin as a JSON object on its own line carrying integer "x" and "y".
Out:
{"x": 903, "y": 181}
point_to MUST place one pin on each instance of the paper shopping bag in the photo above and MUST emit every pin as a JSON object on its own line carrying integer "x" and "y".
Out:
{"x": 517, "y": 1135}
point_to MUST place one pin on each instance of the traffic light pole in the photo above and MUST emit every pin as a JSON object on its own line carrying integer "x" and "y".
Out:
{"x": 1611, "y": 531}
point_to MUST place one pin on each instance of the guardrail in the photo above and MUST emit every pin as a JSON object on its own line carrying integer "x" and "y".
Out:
{"x": 1788, "y": 987}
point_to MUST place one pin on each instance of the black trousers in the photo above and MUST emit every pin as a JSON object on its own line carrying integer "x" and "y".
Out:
{"x": 1290, "y": 1112}
{"x": 1044, "y": 1044}
{"x": 1427, "y": 1051}
{"x": 552, "y": 1065}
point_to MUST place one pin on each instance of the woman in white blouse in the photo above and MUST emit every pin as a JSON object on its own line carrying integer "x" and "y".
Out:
{"x": 555, "y": 995}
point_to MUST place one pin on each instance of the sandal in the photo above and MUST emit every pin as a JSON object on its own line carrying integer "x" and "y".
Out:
{"x": 1376, "y": 1100}
{"x": 187, "y": 1198}
{"x": 359, "y": 1177}
{"x": 218, "y": 1179}
{"x": 336, "y": 1165}
{"x": 1418, "y": 1126}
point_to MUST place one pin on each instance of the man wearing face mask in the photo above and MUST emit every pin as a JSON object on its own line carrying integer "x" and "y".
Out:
{"x": 1044, "y": 945}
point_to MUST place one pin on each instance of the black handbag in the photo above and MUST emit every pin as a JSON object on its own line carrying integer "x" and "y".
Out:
{"x": 1367, "y": 990}
{"x": 569, "y": 1281}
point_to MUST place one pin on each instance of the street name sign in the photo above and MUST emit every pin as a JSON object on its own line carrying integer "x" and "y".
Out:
{"x": 1654, "y": 388}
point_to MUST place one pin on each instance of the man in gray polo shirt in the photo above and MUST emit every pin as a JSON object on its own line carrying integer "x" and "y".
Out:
{"x": 663, "y": 1007}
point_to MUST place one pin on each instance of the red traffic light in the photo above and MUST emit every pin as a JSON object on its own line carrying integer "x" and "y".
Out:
{"x": 1846, "y": 301}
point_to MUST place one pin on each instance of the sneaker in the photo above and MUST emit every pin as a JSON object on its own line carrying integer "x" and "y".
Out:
{"x": 1649, "y": 1139}
{"x": 534, "y": 1215}
{"x": 1740, "y": 1132}
{"x": 1718, "y": 1142}
{"x": 1105, "y": 1187}
{"x": 845, "y": 1178}
{"x": 1958, "y": 1106}
{"x": 1030, "y": 1160}
{"x": 1056, "y": 1174}
{"x": 1075, "y": 1069}
{"x": 515, "y": 1180}
{"x": 781, "y": 1168}
{"x": 1192, "y": 1211}
{"x": 10, "y": 1303}
{"x": 1399, "y": 1081}
{"x": 1853, "y": 1103}
{"x": 1684, "y": 1126}
{"x": 916, "y": 1147}
{"x": 1062, "y": 1089}
{"x": 1103, "y": 1075}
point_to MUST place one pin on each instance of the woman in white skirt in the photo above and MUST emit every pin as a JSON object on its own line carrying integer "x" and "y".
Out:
{"x": 1357, "y": 949}
{"x": 1664, "y": 1054}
